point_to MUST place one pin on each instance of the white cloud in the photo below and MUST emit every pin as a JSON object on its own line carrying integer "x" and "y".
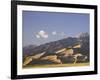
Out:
{"x": 42, "y": 34}
{"x": 54, "y": 33}
{"x": 62, "y": 34}
{"x": 37, "y": 36}
{"x": 78, "y": 35}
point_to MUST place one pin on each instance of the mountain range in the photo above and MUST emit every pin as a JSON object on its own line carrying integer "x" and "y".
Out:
{"x": 65, "y": 51}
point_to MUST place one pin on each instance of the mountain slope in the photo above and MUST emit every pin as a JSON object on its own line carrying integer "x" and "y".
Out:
{"x": 59, "y": 52}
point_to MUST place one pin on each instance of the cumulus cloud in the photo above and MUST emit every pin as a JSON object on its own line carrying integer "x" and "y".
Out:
{"x": 42, "y": 34}
{"x": 78, "y": 35}
{"x": 54, "y": 33}
{"x": 62, "y": 34}
{"x": 37, "y": 36}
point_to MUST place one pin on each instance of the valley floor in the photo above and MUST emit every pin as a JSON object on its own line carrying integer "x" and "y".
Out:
{"x": 56, "y": 65}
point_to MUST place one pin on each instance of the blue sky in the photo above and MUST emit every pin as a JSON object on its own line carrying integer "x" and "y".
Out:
{"x": 44, "y": 27}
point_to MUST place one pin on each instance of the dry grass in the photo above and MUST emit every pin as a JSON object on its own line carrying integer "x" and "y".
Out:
{"x": 57, "y": 65}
